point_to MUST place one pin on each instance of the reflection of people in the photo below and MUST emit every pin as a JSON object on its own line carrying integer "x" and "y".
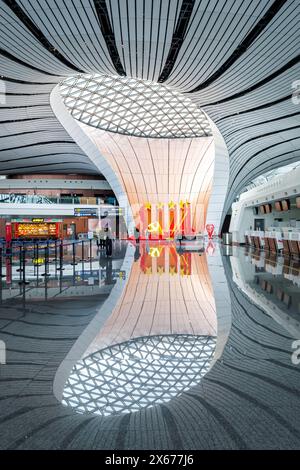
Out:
{"x": 109, "y": 277}
{"x": 102, "y": 238}
{"x": 137, "y": 235}
{"x": 147, "y": 241}
{"x": 108, "y": 245}
{"x": 137, "y": 252}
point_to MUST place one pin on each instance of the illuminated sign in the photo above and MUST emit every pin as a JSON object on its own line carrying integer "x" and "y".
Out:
{"x": 110, "y": 211}
{"x": 38, "y": 261}
{"x": 93, "y": 211}
{"x": 35, "y": 220}
{"x": 85, "y": 212}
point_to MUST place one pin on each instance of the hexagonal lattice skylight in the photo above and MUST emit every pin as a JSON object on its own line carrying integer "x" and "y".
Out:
{"x": 139, "y": 373}
{"x": 133, "y": 107}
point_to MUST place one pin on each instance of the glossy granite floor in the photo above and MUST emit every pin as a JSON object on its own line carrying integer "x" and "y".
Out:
{"x": 249, "y": 399}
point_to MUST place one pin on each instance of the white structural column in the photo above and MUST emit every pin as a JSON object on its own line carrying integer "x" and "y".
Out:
{"x": 160, "y": 171}
{"x": 86, "y": 144}
{"x": 157, "y": 172}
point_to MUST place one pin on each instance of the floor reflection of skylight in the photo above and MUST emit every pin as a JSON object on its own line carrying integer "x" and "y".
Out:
{"x": 139, "y": 373}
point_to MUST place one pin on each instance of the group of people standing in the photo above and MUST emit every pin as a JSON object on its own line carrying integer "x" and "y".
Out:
{"x": 105, "y": 240}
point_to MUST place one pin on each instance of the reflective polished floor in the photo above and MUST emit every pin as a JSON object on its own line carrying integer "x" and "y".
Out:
{"x": 153, "y": 349}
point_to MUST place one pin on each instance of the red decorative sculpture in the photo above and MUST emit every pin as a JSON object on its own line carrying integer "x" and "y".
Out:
{"x": 210, "y": 230}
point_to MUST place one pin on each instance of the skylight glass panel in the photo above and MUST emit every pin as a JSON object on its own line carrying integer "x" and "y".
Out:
{"x": 136, "y": 107}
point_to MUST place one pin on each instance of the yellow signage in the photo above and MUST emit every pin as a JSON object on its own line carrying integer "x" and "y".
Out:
{"x": 38, "y": 261}
{"x": 155, "y": 251}
{"x": 37, "y": 220}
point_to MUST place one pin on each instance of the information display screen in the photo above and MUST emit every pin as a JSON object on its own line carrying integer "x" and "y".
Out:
{"x": 85, "y": 212}
{"x": 43, "y": 230}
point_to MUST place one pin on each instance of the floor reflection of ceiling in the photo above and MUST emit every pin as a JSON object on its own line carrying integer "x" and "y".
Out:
{"x": 165, "y": 294}
{"x": 138, "y": 374}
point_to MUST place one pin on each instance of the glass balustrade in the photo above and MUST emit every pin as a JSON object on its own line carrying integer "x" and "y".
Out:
{"x": 39, "y": 199}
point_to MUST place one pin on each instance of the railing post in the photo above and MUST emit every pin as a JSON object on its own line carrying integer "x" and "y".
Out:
{"x": 23, "y": 255}
{"x": 61, "y": 256}
{"x": 37, "y": 262}
{"x": 55, "y": 248}
{"x": 73, "y": 254}
{"x": 91, "y": 248}
{"x": 46, "y": 257}
{"x": 20, "y": 260}
{"x": 82, "y": 251}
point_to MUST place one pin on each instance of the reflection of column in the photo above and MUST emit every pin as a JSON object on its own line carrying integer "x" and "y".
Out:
{"x": 161, "y": 262}
{"x": 189, "y": 308}
{"x": 146, "y": 262}
{"x": 186, "y": 264}
{"x": 172, "y": 208}
{"x": 173, "y": 258}
{"x": 154, "y": 223}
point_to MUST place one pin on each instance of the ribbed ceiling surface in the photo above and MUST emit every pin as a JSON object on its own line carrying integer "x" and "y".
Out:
{"x": 238, "y": 60}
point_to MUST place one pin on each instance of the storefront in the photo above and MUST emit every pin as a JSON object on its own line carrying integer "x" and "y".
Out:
{"x": 36, "y": 228}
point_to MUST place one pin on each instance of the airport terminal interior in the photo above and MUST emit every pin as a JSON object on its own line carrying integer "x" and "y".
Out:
{"x": 149, "y": 224}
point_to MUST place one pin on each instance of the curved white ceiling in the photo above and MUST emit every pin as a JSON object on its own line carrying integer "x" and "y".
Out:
{"x": 237, "y": 60}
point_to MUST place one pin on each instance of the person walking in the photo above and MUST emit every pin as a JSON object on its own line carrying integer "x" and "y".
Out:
{"x": 137, "y": 235}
